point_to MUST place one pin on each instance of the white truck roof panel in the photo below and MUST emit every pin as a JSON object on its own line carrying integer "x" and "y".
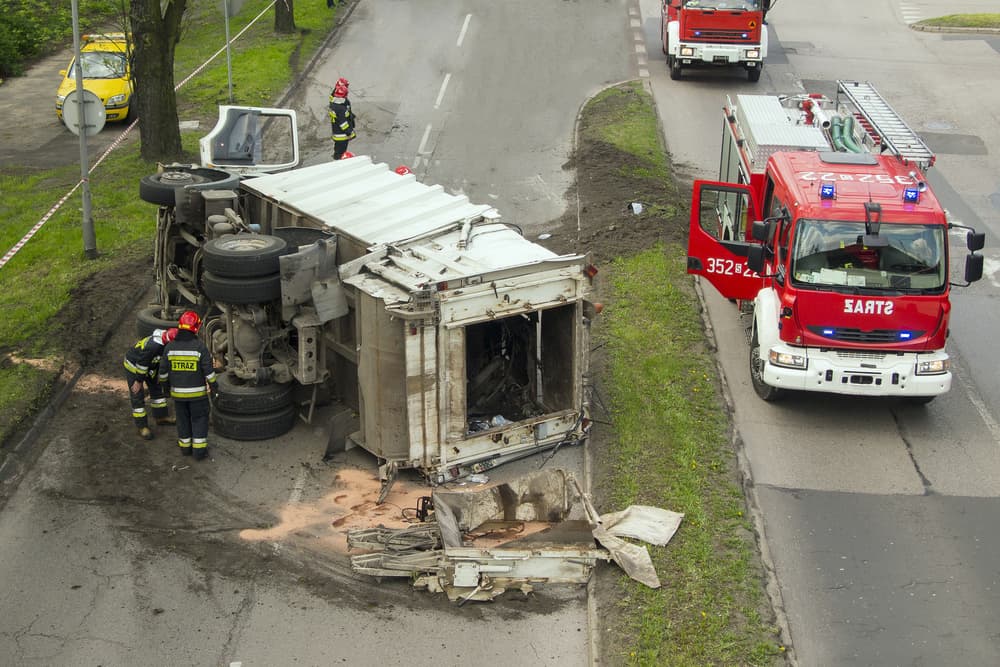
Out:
{"x": 767, "y": 128}
{"x": 366, "y": 200}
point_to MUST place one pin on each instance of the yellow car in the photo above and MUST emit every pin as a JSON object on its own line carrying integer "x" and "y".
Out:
{"x": 106, "y": 73}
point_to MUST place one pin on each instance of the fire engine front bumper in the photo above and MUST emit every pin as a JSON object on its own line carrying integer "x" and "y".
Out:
{"x": 860, "y": 373}
{"x": 691, "y": 54}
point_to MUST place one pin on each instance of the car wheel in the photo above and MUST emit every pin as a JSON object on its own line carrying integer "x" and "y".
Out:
{"x": 160, "y": 188}
{"x": 239, "y": 398}
{"x": 238, "y": 291}
{"x": 244, "y": 255}
{"x": 261, "y": 426}
{"x": 764, "y": 390}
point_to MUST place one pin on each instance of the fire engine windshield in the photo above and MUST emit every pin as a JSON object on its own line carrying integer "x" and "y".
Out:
{"x": 829, "y": 253}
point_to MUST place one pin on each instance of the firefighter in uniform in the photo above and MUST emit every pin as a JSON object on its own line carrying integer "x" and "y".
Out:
{"x": 186, "y": 366}
{"x": 341, "y": 119}
{"x": 142, "y": 366}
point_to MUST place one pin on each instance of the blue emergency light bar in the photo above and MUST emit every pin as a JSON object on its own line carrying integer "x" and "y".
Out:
{"x": 911, "y": 195}
{"x": 905, "y": 335}
{"x": 827, "y": 191}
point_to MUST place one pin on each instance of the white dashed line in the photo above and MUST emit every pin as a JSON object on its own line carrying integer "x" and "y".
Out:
{"x": 465, "y": 27}
{"x": 444, "y": 87}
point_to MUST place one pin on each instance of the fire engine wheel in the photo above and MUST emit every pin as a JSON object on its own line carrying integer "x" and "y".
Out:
{"x": 149, "y": 319}
{"x": 675, "y": 68}
{"x": 754, "y": 74}
{"x": 765, "y": 391}
{"x": 160, "y": 188}
{"x": 241, "y": 290}
{"x": 239, "y": 398}
{"x": 261, "y": 426}
{"x": 244, "y": 255}
{"x": 920, "y": 400}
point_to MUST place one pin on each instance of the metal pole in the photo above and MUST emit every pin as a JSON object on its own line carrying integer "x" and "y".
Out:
{"x": 89, "y": 237}
{"x": 229, "y": 60}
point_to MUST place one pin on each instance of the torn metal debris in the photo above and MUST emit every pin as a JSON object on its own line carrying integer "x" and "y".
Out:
{"x": 537, "y": 529}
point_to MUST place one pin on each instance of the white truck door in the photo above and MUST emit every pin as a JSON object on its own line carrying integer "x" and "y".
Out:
{"x": 250, "y": 141}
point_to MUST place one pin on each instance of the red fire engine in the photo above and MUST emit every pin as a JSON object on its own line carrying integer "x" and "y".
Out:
{"x": 842, "y": 274}
{"x": 699, "y": 33}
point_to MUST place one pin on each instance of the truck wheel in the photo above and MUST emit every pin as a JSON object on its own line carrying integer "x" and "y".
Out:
{"x": 754, "y": 74}
{"x": 675, "y": 68}
{"x": 765, "y": 391}
{"x": 239, "y": 398}
{"x": 159, "y": 188}
{"x": 241, "y": 290}
{"x": 244, "y": 255}
{"x": 148, "y": 320}
{"x": 919, "y": 400}
{"x": 253, "y": 427}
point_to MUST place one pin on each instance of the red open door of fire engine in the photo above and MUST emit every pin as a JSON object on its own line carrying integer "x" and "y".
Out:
{"x": 720, "y": 214}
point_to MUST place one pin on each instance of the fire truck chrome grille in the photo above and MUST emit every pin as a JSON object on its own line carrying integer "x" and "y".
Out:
{"x": 861, "y": 336}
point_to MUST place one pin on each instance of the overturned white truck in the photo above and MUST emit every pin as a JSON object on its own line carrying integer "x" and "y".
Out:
{"x": 457, "y": 343}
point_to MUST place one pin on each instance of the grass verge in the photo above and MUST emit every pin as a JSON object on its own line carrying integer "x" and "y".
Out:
{"x": 988, "y": 20}
{"x": 670, "y": 445}
{"x": 38, "y": 283}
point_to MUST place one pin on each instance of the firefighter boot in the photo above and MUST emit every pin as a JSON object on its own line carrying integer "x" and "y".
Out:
{"x": 200, "y": 454}
{"x": 166, "y": 421}
{"x": 145, "y": 433}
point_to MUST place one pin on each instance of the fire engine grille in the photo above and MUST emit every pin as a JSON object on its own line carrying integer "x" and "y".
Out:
{"x": 718, "y": 36}
{"x": 861, "y": 336}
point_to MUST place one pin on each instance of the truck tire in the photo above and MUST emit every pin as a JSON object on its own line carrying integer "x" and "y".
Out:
{"x": 236, "y": 397}
{"x": 148, "y": 320}
{"x": 675, "y": 68}
{"x": 261, "y": 426}
{"x": 764, "y": 390}
{"x": 159, "y": 188}
{"x": 243, "y": 255}
{"x": 239, "y": 291}
{"x": 754, "y": 74}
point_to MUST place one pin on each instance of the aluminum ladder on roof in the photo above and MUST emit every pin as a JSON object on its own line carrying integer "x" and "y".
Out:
{"x": 886, "y": 123}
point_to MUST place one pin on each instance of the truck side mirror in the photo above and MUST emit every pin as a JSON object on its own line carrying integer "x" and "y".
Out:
{"x": 973, "y": 267}
{"x": 761, "y": 230}
{"x": 755, "y": 257}
{"x": 975, "y": 241}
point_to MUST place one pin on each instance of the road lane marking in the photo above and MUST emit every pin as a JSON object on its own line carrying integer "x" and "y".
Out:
{"x": 465, "y": 27}
{"x": 444, "y": 87}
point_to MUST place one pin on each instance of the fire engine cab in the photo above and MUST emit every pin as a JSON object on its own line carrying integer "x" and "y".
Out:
{"x": 705, "y": 33}
{"x": 824, "y": 232}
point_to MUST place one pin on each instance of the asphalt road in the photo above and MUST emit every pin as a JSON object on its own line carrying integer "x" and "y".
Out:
{"x": 879, "y": 517}
{"x": 455, "y": 92}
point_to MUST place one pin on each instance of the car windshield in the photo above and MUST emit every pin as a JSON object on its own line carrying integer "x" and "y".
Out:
{"x": 748, "y": 5}
{"x": 100, "y": 65}
{"x": 833, "y": 253}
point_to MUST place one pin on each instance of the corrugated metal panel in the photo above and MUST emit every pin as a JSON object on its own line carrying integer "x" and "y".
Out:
{"x": 767, "y": 128}
{"x": 365, "y": 200}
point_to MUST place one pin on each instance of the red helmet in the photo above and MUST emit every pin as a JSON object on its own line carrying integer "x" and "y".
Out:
{"x": 190, "y": 321}
{"x": 403, "y": 170}
{"x": 340, "y": 88}
{"x": 346, "y": 155}
{"x": 169, "y": 335}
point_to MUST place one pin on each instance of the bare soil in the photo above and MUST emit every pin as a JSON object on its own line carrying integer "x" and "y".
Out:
{"x": 191, "y": 514}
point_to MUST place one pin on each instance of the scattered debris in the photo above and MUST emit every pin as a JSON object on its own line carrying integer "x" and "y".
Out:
{"x": 537, "y": 529}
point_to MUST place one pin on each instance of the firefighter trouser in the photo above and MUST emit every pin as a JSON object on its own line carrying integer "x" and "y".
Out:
{"x": 192, "y": 426}
{"x": 339, "y": 148}
{"x": 137, "y": 385}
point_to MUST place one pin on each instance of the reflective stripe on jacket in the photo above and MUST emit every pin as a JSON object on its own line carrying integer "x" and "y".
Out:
{"x": 342, "y": 120}
{"x": 186, "y": 365}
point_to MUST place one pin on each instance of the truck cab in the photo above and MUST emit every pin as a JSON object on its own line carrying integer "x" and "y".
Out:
{"x": 713, "y": 33}
{"x": 839, "y": 261}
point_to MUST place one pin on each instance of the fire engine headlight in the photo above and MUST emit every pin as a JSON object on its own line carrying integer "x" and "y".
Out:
{"x": 787, "y": 360}
{"x": 687, "y": 51}
{"x": 936, "y": 367}
{"x": 752, "y": 54}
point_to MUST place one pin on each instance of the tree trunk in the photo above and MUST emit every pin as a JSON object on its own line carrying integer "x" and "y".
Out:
{"x": 155, "y": 35}
{"x": 284, "y": 16}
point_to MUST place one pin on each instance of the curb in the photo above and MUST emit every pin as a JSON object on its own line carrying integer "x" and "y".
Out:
{"x": 967, "y": 31}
